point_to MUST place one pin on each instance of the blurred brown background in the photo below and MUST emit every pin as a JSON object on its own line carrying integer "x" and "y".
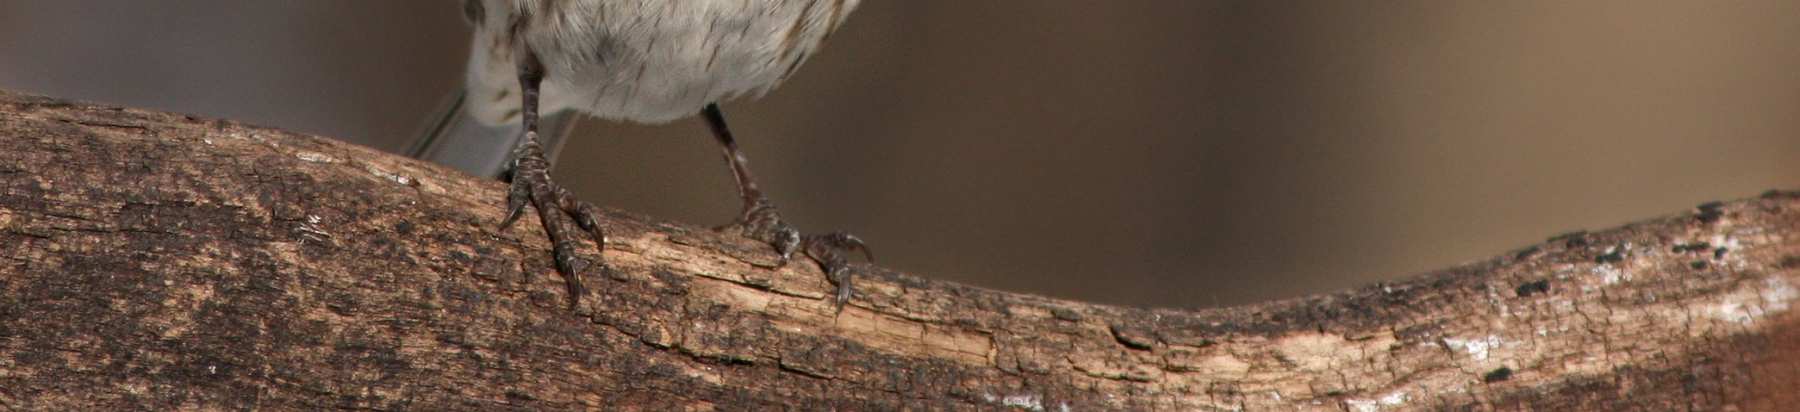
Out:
{"x": 1167, "y": 153}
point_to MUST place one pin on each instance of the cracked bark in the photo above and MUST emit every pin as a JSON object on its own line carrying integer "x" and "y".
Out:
{"x": 159, "y": 261}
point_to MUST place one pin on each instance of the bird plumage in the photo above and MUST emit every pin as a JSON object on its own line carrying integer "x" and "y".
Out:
{"x": 650, "y": 61}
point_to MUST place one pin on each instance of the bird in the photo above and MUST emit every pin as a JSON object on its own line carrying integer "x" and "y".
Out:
{"x": 534, "y": 64}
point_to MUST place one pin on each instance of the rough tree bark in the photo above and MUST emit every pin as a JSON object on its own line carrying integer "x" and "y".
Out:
{"x": 157, "y": 261}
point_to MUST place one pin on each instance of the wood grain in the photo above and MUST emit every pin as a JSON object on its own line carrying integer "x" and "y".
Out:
{"x": 158, "y": 261}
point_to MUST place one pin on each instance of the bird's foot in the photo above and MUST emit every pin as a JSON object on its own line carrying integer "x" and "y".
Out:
{"x": 762, "y": 222}
{"x": 559, "y": 211}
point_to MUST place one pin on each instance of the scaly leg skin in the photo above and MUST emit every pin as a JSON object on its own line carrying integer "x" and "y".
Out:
{"x": 555, "y": 205}
{"x": 760, "y": 220}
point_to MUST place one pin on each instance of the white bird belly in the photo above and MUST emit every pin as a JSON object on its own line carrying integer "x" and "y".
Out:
{"x": 648, "y": 61}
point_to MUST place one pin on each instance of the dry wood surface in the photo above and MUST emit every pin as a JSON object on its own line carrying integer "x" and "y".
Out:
{"x": 159, "y": 261}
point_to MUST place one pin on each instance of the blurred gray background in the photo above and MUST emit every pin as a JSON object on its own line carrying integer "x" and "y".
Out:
{"x": 1161, "y": 153}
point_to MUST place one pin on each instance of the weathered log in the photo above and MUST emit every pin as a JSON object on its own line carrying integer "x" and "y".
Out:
{"x": 158, "y": 261}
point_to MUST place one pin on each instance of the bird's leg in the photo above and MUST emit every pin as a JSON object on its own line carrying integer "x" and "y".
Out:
{"x": 761, "y": 221}
{"x": 556, "y": 206}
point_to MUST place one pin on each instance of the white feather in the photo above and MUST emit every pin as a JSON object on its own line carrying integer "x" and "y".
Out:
{"x": 648, "y": 61}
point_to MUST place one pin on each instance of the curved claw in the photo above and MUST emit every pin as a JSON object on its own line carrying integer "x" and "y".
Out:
{"x": 586, "y": 215}
{"x": 825, "y": 249}
{"x": 817, "y": 245}
{"x": 572, "y": 267}
{"x": 760, "y": 220}
{"x": 517, "y": 197}
{"x": 556, "y": 207}
{"x": 842, "y": 278}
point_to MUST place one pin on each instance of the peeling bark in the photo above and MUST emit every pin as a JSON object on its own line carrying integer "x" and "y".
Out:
{"x": 158, "y": 261}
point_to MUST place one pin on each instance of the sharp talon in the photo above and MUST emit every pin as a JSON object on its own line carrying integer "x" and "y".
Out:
{"x": 586, "y": 215}
{"x": 517, "y": 197}
{"x": 761, "y": 221}
{"x": 565, "y": 263}
{"x": 573, "y": 267}
{"x": 848, "y": 241}
{"x": 557, "y": 208}
{"x": 842, "y": 278}
{"x": 511, "y": 216}
{"x": 821, "y": 245}
{"x": 576, "y": 291}
{"x": 867, "y": 254}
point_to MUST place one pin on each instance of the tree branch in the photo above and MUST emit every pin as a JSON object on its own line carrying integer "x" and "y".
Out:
{"x": 158, "y": 261}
